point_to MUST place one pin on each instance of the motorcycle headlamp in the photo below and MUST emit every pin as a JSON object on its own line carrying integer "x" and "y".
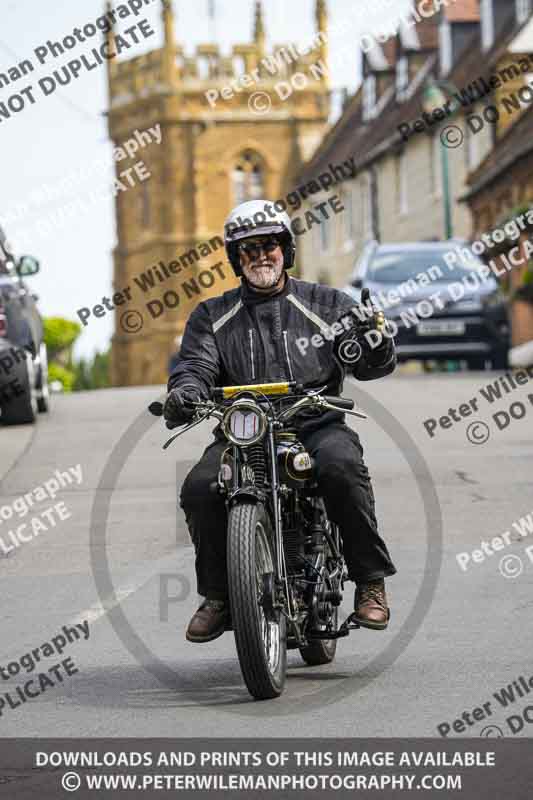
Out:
{"x": 244, "y": 423}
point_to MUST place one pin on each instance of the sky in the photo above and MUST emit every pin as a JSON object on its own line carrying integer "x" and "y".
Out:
{"x": 56, "y": 152}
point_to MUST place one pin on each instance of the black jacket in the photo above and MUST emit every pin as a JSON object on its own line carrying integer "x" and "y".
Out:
{"x": 242, "y": 337}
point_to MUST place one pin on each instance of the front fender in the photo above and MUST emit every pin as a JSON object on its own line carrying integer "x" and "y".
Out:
{"x": 246, "y": 494}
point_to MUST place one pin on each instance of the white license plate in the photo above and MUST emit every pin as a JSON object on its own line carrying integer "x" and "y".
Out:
{"x": 436, "y": 327}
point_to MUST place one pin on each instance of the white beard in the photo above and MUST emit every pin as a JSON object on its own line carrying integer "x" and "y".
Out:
{"x": 264, "y": 277}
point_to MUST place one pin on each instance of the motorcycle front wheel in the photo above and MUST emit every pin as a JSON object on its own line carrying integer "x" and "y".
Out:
{"x": 260, "y": 638}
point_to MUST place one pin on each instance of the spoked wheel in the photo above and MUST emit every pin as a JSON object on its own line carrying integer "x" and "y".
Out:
{"x": 260, "y": 630}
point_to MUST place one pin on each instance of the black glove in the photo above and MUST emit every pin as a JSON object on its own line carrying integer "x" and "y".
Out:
{"x": 375, "y": 321}
{"x": 179, "y": 406}
{"x": 376, "y": 347}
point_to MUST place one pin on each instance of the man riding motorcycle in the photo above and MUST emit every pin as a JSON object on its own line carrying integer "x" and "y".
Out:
{"x": 248, "y": 335}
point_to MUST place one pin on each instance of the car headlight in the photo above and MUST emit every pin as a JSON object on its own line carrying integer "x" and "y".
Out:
{"x": 244, "y": 423}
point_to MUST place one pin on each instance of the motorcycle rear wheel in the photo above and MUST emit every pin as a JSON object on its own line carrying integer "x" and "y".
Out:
{"x": 261, "y": 643}
{"x": 320, "y": 651}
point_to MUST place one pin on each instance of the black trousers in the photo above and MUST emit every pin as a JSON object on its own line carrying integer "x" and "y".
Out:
{"x": 344, "y": 483}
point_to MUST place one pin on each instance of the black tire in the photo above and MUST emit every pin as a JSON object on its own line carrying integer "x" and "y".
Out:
{"x": 21, "y": 409}
{"x": 500, "y": 359}
{"x": 320, "y": 651}
{"x": 43, "y": 391}
{"x": 477, "y": 363}
{"x": 249, "y": 554}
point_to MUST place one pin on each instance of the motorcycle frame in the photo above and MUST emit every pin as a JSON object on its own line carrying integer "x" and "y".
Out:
{"x": 243, "y": 491}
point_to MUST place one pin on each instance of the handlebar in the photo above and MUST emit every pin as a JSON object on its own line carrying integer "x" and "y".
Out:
{"x": 277, "y": 389}
{"x": 219, "y": 393}
{"x": 156, "y": 409}
{"x": 341, "y": 402}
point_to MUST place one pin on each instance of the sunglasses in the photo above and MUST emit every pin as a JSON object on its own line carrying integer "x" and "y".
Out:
{"x": 253, "y": 249}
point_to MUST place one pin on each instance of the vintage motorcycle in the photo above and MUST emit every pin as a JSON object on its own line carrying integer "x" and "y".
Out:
{"x": 286, "y": 571}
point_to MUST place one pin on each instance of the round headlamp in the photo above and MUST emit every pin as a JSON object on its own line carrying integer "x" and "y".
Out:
{"x": 244, "y": 423}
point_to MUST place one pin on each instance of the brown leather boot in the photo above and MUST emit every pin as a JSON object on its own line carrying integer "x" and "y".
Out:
{"x": 209, "y": 622}
{"x": 371, "y": 610}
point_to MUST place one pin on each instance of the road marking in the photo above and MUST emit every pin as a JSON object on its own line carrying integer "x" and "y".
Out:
{"x": 169, "y": 563}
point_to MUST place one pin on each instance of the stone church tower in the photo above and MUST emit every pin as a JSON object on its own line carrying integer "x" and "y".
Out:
{"x": 214, "y": 154}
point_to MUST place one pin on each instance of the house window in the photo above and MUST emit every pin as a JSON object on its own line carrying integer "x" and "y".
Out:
{"x": 402, "y": 206}
{"x": 316, "y": 243}
{"x": 369, "y": 96}
{"x": 402, "y": 77}
{"x": 523, "y": 10}
{"x": 445, "y": 47}
{"x": 324, "y": 236}
{"x": 349, "y": 214}
{"x": 471, "y": 149}
{"x": 247, "y": 178}
{"x": 435, "y": 160}
{"x": 487, "y": 24}
{"x": 432, "y": 166}
{"x": 367, "y": 209}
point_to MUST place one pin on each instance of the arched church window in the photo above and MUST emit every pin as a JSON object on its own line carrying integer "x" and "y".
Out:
{"x": 248, "y": 178}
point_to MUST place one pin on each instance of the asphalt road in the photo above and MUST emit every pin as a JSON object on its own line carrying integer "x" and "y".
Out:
{"x": 454, "y": 640}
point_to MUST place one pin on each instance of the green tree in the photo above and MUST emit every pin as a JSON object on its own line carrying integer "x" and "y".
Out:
{"x": 58, "y": 373}
{"x": 93, "y": 374}
{"x": 59, "y": 336}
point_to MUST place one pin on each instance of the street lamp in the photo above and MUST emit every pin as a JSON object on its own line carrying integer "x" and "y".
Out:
{"x": 435, "y": 95}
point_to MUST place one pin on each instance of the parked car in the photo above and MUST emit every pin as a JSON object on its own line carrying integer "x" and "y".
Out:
{"x": 23, "y": 361}
{"x": 472, "y": 326}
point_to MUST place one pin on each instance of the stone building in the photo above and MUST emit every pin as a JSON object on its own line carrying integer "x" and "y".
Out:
{"x": 501, "y": 187}
{"x": 397, "y": 194}
{"x": 217, "y": 150}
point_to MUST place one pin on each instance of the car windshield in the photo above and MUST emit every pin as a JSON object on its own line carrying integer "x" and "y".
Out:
{"x": 396, "y": 266}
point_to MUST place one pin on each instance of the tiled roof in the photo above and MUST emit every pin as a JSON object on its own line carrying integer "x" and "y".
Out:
{"x": 351, "y": 137}
{"x": 475, "y": 61}
{"x": 366, "y": 141}
{"x": 340, "y": 141}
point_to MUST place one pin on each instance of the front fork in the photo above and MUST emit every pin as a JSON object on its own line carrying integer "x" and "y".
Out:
{"x": 279, "y": 552}
{"x": 278, "y": 583}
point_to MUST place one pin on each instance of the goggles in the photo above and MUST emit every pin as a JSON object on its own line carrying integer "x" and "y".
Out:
{"x": 253, "y": 249}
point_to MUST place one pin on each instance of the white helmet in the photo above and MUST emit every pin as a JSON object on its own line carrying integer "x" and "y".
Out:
{"x": 253, "y": 218}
